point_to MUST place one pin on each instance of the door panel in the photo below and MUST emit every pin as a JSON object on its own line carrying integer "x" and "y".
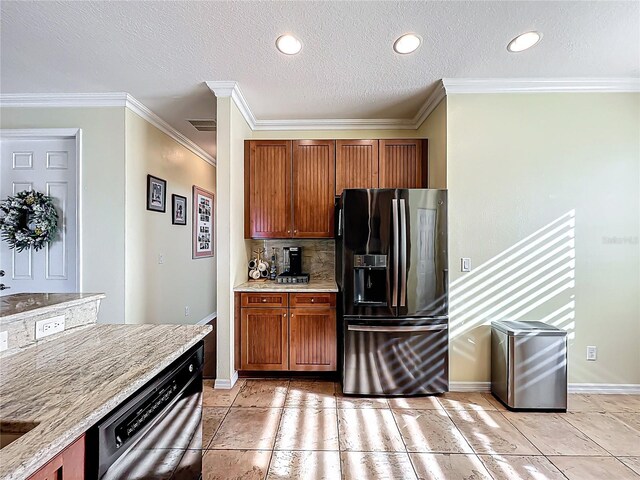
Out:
{"x": 402, "y": 164}
{"x": 423, "y": 260}
{"x": 367, "y": 229}
{"x": 313, "y": 188}
{"x": 313, "y": 341}
{"x": 268, "y": 180}
{"x": 47, "y": 165}
{"x": 356, "y": 164}
{"x": 264, "y": 339}
{"x": 396, "y": 358}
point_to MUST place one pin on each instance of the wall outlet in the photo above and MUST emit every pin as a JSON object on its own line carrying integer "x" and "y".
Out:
{"x": 161, "y": 259}
{"x": 465, "y": 264}
{"x": 4, "y": 341}
{"x": 592, "y": 353}
{"x": 49, "y": 326}
{"x": 187, "y": 311}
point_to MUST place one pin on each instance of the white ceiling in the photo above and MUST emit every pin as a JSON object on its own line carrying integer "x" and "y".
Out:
{"x": 162, "y": 52}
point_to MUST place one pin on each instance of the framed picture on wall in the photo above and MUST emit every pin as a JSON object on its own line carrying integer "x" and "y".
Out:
{"x": 203, "y": 223}
{"x": 156, "y": 194}
{"x": 178, "y": 209}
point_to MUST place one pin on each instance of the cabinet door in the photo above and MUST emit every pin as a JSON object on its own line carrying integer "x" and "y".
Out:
{"x": 268, "y": 189}
{"x": 264, "y": 339}
{"x": 67, "y": 465}
{"x": 356, "y": 164}
{"x": 313, "y": 341}
{"x": 313, "y": 188}
{"x": 403, "y": 164}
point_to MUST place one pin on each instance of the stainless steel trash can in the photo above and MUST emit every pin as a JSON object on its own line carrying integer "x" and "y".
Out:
{"x": 529, "y": 365}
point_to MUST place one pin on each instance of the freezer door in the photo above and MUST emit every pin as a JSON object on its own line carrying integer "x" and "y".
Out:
{"x": 368, "y": 252}
{"x": 423, "y": 269}
{"x": 395, "y": 357}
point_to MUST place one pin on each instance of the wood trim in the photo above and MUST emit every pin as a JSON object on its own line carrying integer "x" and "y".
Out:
{"x": 67, "y": 465}
{"x": 247, "y": 189}
{"x": 263, "y": 300}
{"x": 425, "y": 163}
{"x": 237, "y": 335}
{"x": 312, "y": 300}
{"x": 210, "y": 348}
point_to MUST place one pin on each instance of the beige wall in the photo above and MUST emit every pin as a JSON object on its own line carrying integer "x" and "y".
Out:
{"x": 232, "y": 130}
{"x": 159, "y": 293}
{"x": 544, "y": 198}
{"x": 435, "y": 129}
{"x": 102, "y": 194}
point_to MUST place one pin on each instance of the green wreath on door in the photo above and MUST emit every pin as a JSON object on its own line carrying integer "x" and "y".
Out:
{"x": 28, "y": 220}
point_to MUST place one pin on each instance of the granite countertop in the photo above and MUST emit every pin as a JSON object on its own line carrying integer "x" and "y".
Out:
{"x": 68, "y": 385}
{"x": 314, "y": 285}
{"x": 20, "y": 305}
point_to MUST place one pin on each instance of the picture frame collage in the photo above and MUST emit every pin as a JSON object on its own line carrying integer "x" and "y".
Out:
{"x": 203, "y": 210}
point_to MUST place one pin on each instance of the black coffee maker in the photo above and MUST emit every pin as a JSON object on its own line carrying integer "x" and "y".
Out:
{"x": 292, "y": 259}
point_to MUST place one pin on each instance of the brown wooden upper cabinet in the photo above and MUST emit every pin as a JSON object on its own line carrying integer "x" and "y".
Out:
{"x": 356, "y": 164}
{"x": 289, "y": 188}
{"x": 403, "y": 163}
{"x": 267, "y": 202}
{"x": 313, "y": 183}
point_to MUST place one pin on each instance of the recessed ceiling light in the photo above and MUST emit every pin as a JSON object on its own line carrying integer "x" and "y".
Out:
{"x": 288, "y": 44}
{"x": 524, "y": 41}
{"x": 407, "y": 43}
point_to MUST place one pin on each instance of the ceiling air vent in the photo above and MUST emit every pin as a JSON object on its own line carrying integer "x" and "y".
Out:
{"x": 203, "y": 125}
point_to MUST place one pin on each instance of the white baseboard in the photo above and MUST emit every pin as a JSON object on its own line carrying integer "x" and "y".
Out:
{"x": 604, "y": 388}
{"x": 596, "y": 388}
{"x": 469, "y": 386}
{"x": 225, "y": 384}
{"x": 207, "y": 319}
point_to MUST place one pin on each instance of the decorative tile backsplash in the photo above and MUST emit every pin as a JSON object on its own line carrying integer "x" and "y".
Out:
{"x": 318, "y": 256}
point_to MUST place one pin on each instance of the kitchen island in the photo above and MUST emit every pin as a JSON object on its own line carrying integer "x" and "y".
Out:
{"x": 59, "y": 389}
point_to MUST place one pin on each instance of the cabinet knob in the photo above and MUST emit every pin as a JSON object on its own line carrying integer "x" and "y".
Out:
{"x": 295, "y": 231}
{"x": 264, "y": 300}
{"x": 313, "y": 300}
{"x": 288, "y": 231}
{"x": 284, "y": 314}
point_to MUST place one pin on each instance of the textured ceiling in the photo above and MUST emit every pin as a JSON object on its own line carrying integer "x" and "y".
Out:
{"x": 162, "y": 52}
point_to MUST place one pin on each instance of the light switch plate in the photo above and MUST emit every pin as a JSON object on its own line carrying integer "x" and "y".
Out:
{"x": 592, "y": 353}
{"x": 4, "y": 341}
{"x": 465, "y": 264}
{"x": 49, "y": 326}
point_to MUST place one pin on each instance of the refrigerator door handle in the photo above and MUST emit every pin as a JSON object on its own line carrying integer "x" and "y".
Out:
{"x": 417, "y": 328}
{"x": 396, "y": 253}
{"x": 403, "y": 253}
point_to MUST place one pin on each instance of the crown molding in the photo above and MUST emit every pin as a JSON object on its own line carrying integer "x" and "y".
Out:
{"x": 540, "y": 85}
{"x": 228, "y": 88}
{"x": 144, "y": 112}
{"x": 101, "y": 100}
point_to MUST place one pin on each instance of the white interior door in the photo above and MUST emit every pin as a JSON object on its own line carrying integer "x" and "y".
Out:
{"x": 48, "y": 165}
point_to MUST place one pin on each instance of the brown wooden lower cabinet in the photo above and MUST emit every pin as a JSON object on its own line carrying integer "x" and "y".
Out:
{"x": 312, "y": 339}
{"x": 264, "y": 339}
{"x": 67, "y": 465}
{"x": 302, "y": 337}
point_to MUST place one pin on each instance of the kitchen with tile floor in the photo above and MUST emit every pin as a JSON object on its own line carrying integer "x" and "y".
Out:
{"x": 306, "y": 429}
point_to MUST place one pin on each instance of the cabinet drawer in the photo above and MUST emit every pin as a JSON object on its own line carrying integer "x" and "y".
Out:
{"x": 313, "y": 299}
{"x": 264, "y": 300}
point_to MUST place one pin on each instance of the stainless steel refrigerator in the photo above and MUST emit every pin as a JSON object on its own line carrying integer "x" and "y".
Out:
{"x": 392, "y": 270}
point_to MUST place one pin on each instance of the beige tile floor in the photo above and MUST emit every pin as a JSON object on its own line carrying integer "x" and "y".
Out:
{"x": 281, "y": 429}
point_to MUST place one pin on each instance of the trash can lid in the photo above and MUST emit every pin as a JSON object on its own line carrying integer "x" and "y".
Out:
{"x": 517, "y": 327}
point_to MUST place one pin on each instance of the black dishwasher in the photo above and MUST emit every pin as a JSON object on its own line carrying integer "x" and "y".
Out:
{"x": 157, "y": 433}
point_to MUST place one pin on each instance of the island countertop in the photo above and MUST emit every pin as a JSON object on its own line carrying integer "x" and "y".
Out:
{"x": 67, "y": 385}
{"x": 314, "y": 285}
{"x": 22, "y": 305}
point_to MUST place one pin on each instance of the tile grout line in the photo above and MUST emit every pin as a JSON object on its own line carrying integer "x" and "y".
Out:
{"x": 406, "y": 451}
{"x": 275, "y": 438}
{"x": 224, "y": 416}
{"x": 335, "y": 387}
{"x": 587, "y": 436}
